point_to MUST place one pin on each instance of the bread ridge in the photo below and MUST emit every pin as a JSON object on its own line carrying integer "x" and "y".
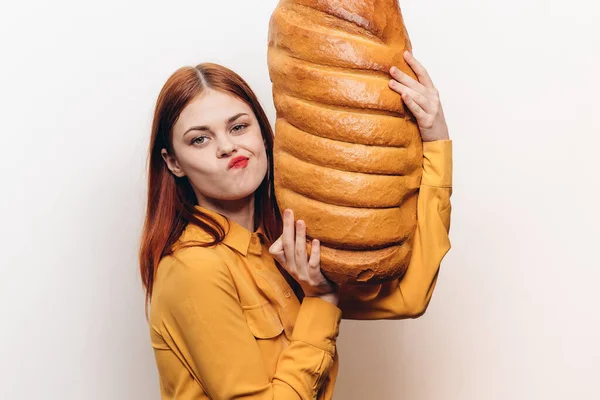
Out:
{"x": 376, "y": 266}
{"x": 384, "y": 160}
{"x": 374, "y": 16}
{"x": 343, "y": 188}
{"x": 353, "y": 228}
{"x": 368, "y": 128}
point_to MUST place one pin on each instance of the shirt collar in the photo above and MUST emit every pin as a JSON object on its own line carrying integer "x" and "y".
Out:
{"x": 236, "y": 236}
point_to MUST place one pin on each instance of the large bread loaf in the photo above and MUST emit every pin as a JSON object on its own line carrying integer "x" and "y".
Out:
{"x": 347, "y": 154}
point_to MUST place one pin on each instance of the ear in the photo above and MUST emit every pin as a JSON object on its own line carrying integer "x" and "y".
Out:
{"x": 172, "y": 163}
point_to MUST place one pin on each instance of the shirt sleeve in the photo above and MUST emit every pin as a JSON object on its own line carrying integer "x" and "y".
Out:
{"x": 409, "y": 296}
{"x": 205, "y": 319}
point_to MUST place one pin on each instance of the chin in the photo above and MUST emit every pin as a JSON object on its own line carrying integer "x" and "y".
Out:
{"x": 238, "y": 195}
{"x": 232, "y": 190}
{"x": 233, "y": 197}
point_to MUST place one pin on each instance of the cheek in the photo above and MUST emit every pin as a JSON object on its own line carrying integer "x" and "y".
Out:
{"x": 195, "y": 162}
{"x": 258, "y": 145}
{"x": 261, "y": 155}
{"x": 263, "y": 165}
{"x": 254, "y": 142}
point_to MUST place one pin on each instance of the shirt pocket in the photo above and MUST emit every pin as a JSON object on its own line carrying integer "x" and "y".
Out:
{"x": 263, "y": 321}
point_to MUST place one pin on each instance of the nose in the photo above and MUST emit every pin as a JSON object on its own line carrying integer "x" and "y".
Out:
{"x": 225, "y": 146}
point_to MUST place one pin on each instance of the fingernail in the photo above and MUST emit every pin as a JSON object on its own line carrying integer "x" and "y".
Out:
{"x": 286, "y": 212}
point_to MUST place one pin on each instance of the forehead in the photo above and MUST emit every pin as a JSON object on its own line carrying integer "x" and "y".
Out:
{"x": 211, "y": 108}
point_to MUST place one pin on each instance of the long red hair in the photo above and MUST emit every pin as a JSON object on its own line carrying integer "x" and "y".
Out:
{"x": 171, "y": 200}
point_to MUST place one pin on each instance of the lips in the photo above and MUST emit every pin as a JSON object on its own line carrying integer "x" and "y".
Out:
{"x": 238, "y": 162}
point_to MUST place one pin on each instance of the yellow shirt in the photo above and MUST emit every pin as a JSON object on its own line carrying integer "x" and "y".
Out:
{"x": 225, "y": 324}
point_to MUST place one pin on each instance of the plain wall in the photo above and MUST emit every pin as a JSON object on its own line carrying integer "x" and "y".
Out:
{"x": 515, "y": 314}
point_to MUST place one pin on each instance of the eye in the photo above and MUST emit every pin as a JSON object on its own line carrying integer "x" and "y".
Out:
{"x": 199, "y": 140}
{"x": 238, "y": 128}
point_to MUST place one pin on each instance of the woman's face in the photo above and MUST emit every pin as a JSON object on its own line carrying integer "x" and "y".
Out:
{"x": 218, "y": 145}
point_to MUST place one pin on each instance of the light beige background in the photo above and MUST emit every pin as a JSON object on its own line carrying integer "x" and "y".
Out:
{"x": 515, "y": 315}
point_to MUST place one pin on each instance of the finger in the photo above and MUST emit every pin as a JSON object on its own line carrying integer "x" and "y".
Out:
{"x": 288, "y": 240}
{"x": 407, "y": 80}
{"x": 314, "y": 263}
{"x": 276, "y": 250}
{"x": 417, "y": 97}
{"x": 420, "y": 71}
{"x": 417, "y": 111}
{"x": 300, "y": 242}
{"x": 315, "y": 255}
{"x": 301, "y": 262}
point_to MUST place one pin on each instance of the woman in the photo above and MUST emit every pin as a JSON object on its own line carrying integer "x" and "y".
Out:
{"x": 226, "y": 320}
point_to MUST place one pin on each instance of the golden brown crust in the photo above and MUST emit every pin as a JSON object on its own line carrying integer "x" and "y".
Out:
{"x": 343, "y": 188}
{"x": 360, "y": 127}
{"x": 374, "y": 266}
{"x": 328, "y": 40}
{"x": 343, "y": 155}
{"x": 380, "y": 18}
{"x": 351, "y": 227}
{"x": 324, "y": 84}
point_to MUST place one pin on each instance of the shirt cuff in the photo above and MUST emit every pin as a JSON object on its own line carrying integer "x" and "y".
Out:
{"x": 437, "y": 163}
{"x": 318, "y": 323}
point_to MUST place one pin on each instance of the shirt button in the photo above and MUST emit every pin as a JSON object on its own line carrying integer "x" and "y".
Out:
{"x": 287, "y": 295}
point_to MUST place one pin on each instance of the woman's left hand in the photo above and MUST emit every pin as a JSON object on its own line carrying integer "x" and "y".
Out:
{"x": 422, "y": 99}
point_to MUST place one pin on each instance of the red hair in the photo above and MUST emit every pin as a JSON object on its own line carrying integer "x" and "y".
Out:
{"x": 171, "y": 200}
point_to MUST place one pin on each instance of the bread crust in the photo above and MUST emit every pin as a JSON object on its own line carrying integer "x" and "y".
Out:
{"x": 347, "y": 153}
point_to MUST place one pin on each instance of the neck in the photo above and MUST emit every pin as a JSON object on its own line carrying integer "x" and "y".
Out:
{"x": 240, "y": 211}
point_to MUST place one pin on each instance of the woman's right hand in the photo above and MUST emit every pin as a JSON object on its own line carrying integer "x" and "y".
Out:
{"x": 290, "y": 250}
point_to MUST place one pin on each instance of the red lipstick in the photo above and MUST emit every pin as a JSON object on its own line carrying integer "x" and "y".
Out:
{"x": 238, "y": 162}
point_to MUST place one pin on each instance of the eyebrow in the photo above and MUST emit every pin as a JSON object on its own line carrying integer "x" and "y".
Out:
{"x": 207, "y": 128}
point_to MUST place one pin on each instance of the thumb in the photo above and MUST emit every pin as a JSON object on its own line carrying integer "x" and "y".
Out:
{"x": 276, "y": 250}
